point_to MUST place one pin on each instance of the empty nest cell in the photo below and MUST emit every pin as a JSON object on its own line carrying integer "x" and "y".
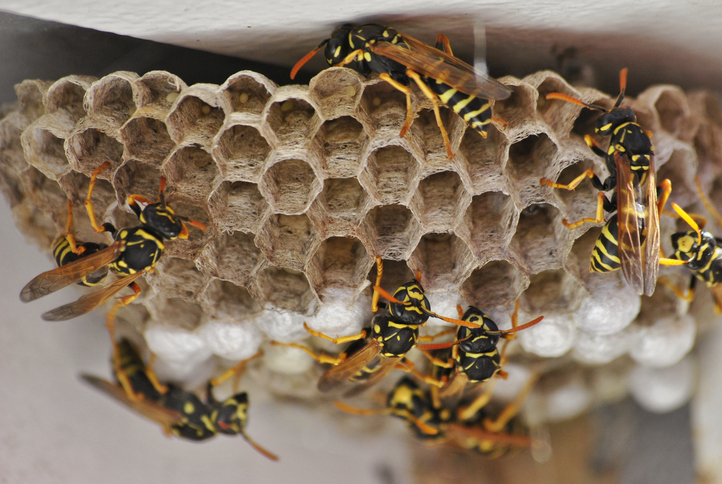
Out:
{"x": 497, "y": 283}
{"x": 147, "y": 140}
{"x": 483, "y": 159}
{"x": 385, "y": 105}
{"x": 287, "y": 240}
{"x": 296, "y": 295}
{"x": 535, "y": 243}
{"x": 225, "y": 300}
{"x": 339, "y": 263}
{"x": 232, "y": 257}
{"x": 343, "y": 140}
{"x": 336, "y": 90}
{"x": 488, "y": 225}
{"x": 393, "y": 230}
{"x": 177, "y": 278}
{"x": 30, "y": 99}
{"x": 237, "y": 206}
{"x": 517, "y": 108}
{"x": 345, "y": 199}
{"x": 389, "y": 173}
{"x": 45, "y": 151}
{"x": 444, "y": 259}
{"x": 137, "y": 178}
{"x": 290, "y": 186}
{"x": 192, "y": 171}
{"x": 440, "y": 201}
{"x": 110, "y": 100}
{"x": 559, "y": 115}
{"x": 530, "y": 160}
{"x": 65, "y": 97}
{"x": 188, "y": 248}
{"x": 246, "y": 94}
{"x": 241, "y": 152}
{"x": 90, "y": 148}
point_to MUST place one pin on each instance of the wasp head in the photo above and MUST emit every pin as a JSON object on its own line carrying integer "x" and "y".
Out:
{"x": 476, "y": 340}
{"x": 414, "y": 307}
{"x": 162, "y": 219}
{"x": 232, "y": 414}
{"x": 609, "y": 121}
{"x": 688, "y": 247}
{"x": 337, "y": 46}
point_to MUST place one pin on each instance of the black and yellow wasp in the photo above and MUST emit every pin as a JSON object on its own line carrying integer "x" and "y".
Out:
{"x": 630, "y": 239}
{"x": 398, "y": 59}
{"x": 134, "y": 252}
{"x": 179, "y": 412}
{"x": 475, "y": 356}
{"x": 380, "y": 348}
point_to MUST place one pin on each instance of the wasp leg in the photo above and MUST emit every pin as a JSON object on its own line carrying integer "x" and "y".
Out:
{"x": 358, "y": 55}
{"x": 238, "y": 369}
{"x": 322, "y": 358}
{"x": 432, "y": 337}
{"x": 409, "y": 366}
{"x": 689, "y": 296}
{"x": 161, "y": 388}
{"x": 601, "y": 199}
{"x": 110, "y": 325}
{"x": 592, "y": 143}
{"x": 89, "y": 205}
{"x": 409, "y": 109}
{"x": 443, "y": 44}
{"x": 435, "y": 102}
{"x": 589, "y": 173}
{"x": 69, "y": 235}
{"x": 338, "y": 341}
{"x": 512, "y": 409}
{"x": 468, "y": 412}
{"x": 379, "y": 274}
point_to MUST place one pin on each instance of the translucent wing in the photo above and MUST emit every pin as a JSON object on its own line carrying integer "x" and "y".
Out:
{"x": 630, "y": 252}
{"x": 461, "y": 434}
{"x": 90, "y": 301}
{"x": 384, "y": 368}
{"x": 147, "y": 408}
{"x": 348, "y": 368}
{"x": 717, "y": 293}
{"x": 443, "y": 67}
{"x": 51, "y": 281}
{"x": 650, "y": 256}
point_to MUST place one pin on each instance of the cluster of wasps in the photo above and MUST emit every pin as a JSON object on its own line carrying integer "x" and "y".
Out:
{"x": 630, "y": 241}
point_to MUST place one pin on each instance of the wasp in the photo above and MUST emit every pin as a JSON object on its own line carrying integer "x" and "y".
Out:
{"x": 475, "y": 356}
{"x": 179, "y": 412}
{"x": 134, "y": 252}
{"x": 630, "y": 161}
{"x": 398, "y": 59}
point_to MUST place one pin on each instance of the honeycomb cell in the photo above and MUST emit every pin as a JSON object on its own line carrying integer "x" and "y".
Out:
{"x": 47, "y": 194}
{"x": 65, "y": 98}
{"x": 530, "y": 160}
{"x": 45, "y": 151}
{"x": 389, "y": 173}
{"x": 552, "y": 291}
{"x": 290, "y": 186}
{"x": 558, "y": 114}
{"x": 393, "y": 230}
{"x": 343, "y": 204}
{"x": 30, "y": 100}
{"x": 110, "y": 99}
{"x": 340, "y": 263}
{"x": 680, "y": 168}
{"x": 192, "y": 171}
{"x": 336, "y": 91}
{"x": 175, "y": 313}
{"x": 247, "y": 92}
{"x": 385, "y": 105}
{"x": 488, "y": 225}
{"x": 157, "y": 90}
{"x": 672, "y": 109}
{"x": 194, "y": 121}
{"x": 225, "y": 300}
{"x": 294, "y": 121}
{"x": 483, "y": 158}
{"x": 241, "y": 152}
{"x": 440, "y": 201}
{"x": 497, "y": 283}
{"x": 136, "y": 178}
{"x": 232, "y": 257}
{"x": 396, "y": 273}
{"x": 75, "y": 185}
{"x": 177, "y": 278}
{"x": 579, "y": 257}
{"x": 90, "y": 148}
{"x": 146, "y": 140}
{"x": 343, "y": 140}
{"x": 540, "y": 239}
{"x": 427, "y": 129}
{"x": 296, "y": 294}
{"x": 287, "y": 240}
{"x": 11, "y": 149}
{"x": 443, "y": 259}
{"x": 237, "y": 206}
{"x": 517, "y": 108}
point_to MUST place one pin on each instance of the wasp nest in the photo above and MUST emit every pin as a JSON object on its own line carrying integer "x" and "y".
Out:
{"x": 302, "y": 186}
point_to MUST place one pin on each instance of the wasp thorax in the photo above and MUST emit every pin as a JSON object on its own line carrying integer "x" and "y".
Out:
{"x": 414, "y": 307}
{"x": 607, "y": 122}
{"x": 162, "y": 220}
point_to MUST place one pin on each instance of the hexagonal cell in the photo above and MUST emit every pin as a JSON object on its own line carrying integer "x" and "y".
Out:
{"x": 287, "y": 240}
{"x": 45, "y": 151}
{"x": 176, "y": 312}
{"x": 241, "y": 152}
{"x": 237, "y": 206}
{"x": 498, "y": 283}
{"x": 427, "y": 129}
{"x": 232, "y": 257}
{"x": 440, "y": 201}
{"x": 177, "y": 278}
{"x": 558, "y": 114}
{"x": 336, "y": 90}
{"x": 672, "y": 110}
{"x": 11, "y": 148}
{"x": 30, "y": 99}
{"x": 137, "y": 178}
{"x": 89, "y": 148}
{"x": 552, "y": 291}
{"x": 147, "y": 140}
{"x": 189, "y": 248}
{"x": 110, "y": 100}
{"x": 681, "y": 168}
{"x": 46, "y": 193}
{"x": 488, "y": 224}
{"x": 339, "y": 263}
{"x": 192, "y": 171}
{"x": 537, "y": 243}
{"x": 295, "y": 293}
{"x": 529, "y": 160}
{"x": 294, "y": 121}
{"x": 582, "y": 201}
{"x": 343, "y": 140}
{"x": 517, "y": 108}
{"x": 345, "y": 201}
{"x": 245, "y": 93}
{"x": 483, "y": 158}
{"x": 225, "y": 300}
{"x": 194, "y": 121}
{"x": 290, "y": 186}
{"x": 157, "y": 91}
{"x": 443, "y": 259}
{"x": 66, "y": 95}
{"x": 393, "y": 230}
{"x": 389, "y": 174}
{"x": 385, "y": 105}
{"x": 75, "y": 185}
{"x": 396, "y": 273}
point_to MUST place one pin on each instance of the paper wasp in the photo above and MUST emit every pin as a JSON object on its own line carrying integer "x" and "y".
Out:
{"x": 398, "y": 59}
{"x": 134, "y": 252}
{"x": 630, "y": 161}
{"x": 179, "y": 412}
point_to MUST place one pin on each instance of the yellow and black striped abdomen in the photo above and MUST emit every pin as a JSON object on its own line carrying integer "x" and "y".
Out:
{"x": 475, "y": 111}
{"x": 63, "y": 254}
{"x": 605, "y": 255}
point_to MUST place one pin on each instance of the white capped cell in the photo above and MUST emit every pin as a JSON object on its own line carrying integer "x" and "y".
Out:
{"x": 231, "y": 339}
{"x": 665, "y": 342}
{"x": 552, "y": 337}
{"x": 567, "y": 401}
{"x": 287, "y": 360}
{"x": 282, "y": 326}
{"x": 336, "y": 318}
{"x": 507, "y": 390}
{"x": 611, "y": 307}
{"x": 444, "y": 303}
{"x": 178, "y": 350}
{"x": 599, "y": 349}
{"x": 662, "y": 390}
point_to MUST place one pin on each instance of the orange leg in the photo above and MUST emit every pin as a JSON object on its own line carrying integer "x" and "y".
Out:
{"x": 338, "y": 341}
{"x": 88, "y": 203}
{"x": 322, "y": 358}
{"x": 598, "y": 219}
{"x": 435, "y": 102}
{"x": 571, "y": 186}
{"x": 377, "y": 295}
{"x": 110, "y": 325}
{"x": 69, "y": 235}
{"x": 238, "y": 369}
{"x": 409, "y": 108}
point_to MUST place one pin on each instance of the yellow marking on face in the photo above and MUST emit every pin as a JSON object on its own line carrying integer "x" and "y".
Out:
{"x": 605, "y": 127}
{"x": 386, "y": 33}
{"x": 685, "y": 243}
{"x": 337, "y": 52}
{"x": 462, "y": 104}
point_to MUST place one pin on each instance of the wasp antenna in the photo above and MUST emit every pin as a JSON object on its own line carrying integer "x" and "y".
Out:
{"x": 573, "y": 100}
{"x": 622, "y": 86}
{"x": 306, "y": 58}
{"x": 161, "y": 191}
{"x": 519, "y": 328}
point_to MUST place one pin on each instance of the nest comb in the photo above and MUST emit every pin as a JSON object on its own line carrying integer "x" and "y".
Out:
{"x": 302, "y": 186}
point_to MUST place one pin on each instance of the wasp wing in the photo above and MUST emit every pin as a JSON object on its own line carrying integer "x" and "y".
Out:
{"x": 439, "y": 65}
{"x": 147, "y": 408}
{"x": 90, "y": 301}
{"x": 384, "y": 368}
{"x": 717, "y": 293}
{"x": 630, "y": 247}
{"x": 51, "y": 281}
{"x": 463, "y": 434}
{"x": 650, "y": 256}
{"x": 349, "y": 367}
